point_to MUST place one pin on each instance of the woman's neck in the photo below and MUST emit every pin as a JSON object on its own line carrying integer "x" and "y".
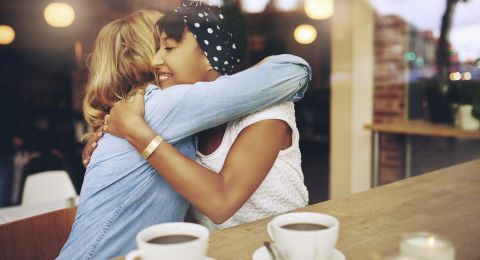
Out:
{"x": 212, "y": 75}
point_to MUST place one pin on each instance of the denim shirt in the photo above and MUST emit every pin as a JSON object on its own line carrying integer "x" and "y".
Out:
{"x": 122, "y": 193}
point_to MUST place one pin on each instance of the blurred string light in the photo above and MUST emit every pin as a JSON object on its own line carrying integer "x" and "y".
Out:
{"x": 305, "y": 34}
{"x": 467, "y": 75}
{"x": 420, "y": 62}
{"x": 319, "y": 9}
{"x": 59, "y": 14}
{"x": 7, "y": 34}
{"x": 410, "y": 56}
{"x": 455, "y": 76}
{"x": 254, "y": 6}
{"x": 286, "y": 5}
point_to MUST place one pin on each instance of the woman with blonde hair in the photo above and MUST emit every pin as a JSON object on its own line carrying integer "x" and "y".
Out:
{"x": 122, "y": 193}
{"x": 119, "y": 63}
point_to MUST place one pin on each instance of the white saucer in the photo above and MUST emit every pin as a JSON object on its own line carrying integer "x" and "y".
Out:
{"x": 262, "y": 254}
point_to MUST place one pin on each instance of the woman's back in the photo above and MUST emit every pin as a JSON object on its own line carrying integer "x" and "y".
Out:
{"x": 122, "y": 194}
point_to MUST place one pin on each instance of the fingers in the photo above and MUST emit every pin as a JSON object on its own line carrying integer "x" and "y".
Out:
{"x": 140, "y": 92}
{"x": 92, "y": 143}
{"x": 87, "y": 152}
{"x": 85, "y": 155}
{"x": 105, "y": 123}
{"x": 100, "y": 132}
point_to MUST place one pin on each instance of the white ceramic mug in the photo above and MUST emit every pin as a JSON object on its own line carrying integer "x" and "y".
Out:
{"x": 304, "y": 245}
{"x": 192, "y": 250}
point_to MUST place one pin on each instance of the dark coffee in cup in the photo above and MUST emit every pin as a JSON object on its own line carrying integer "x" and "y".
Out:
{"x": 304, "y": 226}
{"x": 171, "y": 239}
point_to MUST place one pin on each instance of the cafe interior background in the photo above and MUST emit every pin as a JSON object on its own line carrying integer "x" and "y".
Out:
{"x": 373, "y": 61}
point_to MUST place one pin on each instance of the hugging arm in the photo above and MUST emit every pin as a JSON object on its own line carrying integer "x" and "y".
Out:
{"x": 219, "y": 196}
{"x": 208, "y": 104}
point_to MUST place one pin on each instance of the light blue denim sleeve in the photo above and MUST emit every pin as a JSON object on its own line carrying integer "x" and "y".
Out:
{"x": 183, "y": 110}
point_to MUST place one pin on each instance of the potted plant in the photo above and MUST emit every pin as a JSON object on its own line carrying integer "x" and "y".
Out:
{"x": 467, "y": 114}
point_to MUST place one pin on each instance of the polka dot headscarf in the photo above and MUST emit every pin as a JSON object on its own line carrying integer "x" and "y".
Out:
{"x": 207, "y": 24}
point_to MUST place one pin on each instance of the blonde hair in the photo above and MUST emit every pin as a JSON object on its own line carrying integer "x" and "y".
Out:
{"x": 119, "y": 63}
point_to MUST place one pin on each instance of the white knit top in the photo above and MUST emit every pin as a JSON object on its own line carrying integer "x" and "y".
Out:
{"x": 282, "y": 190}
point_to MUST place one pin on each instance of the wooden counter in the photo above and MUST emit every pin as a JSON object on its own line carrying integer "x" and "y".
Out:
{"x": 446, "y": 202}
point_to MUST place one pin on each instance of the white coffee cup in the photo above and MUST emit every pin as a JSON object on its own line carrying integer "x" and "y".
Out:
{"x": 304, "y": 244}
{"x": 195, "y": 249}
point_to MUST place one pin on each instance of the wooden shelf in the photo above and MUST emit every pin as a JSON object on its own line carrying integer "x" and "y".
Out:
{"x": 422, "y": 128}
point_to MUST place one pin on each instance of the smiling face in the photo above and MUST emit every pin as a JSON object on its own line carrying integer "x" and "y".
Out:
{"x": 180, "y": 62}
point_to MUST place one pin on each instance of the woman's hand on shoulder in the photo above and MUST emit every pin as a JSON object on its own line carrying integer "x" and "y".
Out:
{"x": 90, "y": 146}
{"x": 125, "y": 115}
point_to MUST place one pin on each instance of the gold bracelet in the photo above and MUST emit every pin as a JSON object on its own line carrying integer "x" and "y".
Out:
{"x": 152, "y": 146}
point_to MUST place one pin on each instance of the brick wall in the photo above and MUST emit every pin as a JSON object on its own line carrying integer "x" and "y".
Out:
{"x": 390, "y": 94}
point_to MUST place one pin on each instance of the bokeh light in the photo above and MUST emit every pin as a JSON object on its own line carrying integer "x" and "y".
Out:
{"x": 455, "y": 76}
{"x": 319, "y": 9}
{"x": 59, "y": 14}
{"x": 7, "y": 34}
{"x": 254, "y": 6}
{"x": 286, "y": 5}
{"x": 305, "y": 34}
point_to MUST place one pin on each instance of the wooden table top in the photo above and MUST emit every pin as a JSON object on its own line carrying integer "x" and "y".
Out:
{"x": 418, "y": 127}
{"x": 446, "y": 202}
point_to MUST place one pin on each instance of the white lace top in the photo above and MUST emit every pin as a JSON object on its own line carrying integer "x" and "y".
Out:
{"x": 282, "y": 190}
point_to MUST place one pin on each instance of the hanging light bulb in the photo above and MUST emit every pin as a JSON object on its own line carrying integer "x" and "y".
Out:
{"x": 286, "y": 5}
{"x": 305, "y": 34}
{"x": 212, "y": 2}
{"x": 319, "y": 9}
{"x": 59, "y": 14}
{"x": 254, "y": 6}
{"x": 7, "y": 35}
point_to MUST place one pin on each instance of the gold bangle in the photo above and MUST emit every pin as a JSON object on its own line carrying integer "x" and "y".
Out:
{"x": 152, "y": 146}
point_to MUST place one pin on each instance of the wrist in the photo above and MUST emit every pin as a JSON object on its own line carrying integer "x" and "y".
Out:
{"x": 152, "y": 146}
{"x": 139, "y": 134}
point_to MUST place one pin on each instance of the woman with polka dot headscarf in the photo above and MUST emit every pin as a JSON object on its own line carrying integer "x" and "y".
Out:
{"x": 246, "y": 169}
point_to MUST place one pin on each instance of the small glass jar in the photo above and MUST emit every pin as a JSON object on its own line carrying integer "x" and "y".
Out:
{"x": 427, "y": 246}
